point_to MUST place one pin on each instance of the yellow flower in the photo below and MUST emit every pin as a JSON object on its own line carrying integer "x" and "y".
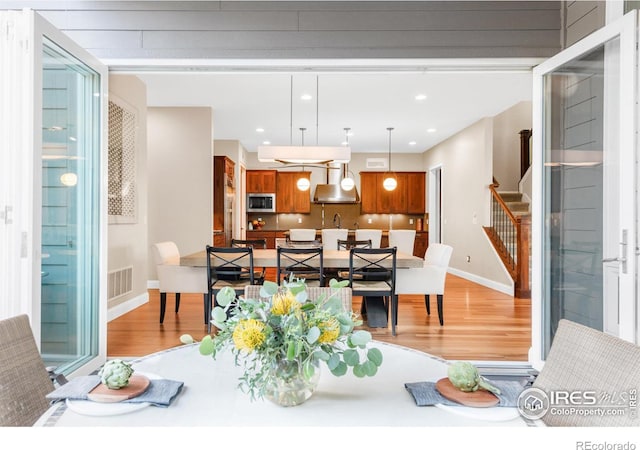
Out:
{"x": 330, "y": 330}
{"x": 248, "y": 335}
{"x": 284, "y": 303}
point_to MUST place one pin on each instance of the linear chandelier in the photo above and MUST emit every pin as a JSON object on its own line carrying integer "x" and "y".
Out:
{"x": 301, "y": 154}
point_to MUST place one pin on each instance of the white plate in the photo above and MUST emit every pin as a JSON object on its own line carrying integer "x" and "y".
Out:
{"x": 89, "y": 408}
{"x": 494, "y": 414}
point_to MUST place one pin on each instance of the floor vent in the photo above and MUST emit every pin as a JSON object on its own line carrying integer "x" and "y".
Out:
{"x": 120, "y": 282}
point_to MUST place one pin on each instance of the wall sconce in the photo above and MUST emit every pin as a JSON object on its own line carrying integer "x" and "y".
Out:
{"x": 69, "y": 179}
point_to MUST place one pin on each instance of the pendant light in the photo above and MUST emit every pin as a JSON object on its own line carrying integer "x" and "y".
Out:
{"x": 347, "y": 183}
{"x": 390, "y": 182}
{"x": 303, "y": 182}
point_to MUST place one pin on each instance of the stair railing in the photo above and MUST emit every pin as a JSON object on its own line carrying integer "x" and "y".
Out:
{"x": 510, "y": 236}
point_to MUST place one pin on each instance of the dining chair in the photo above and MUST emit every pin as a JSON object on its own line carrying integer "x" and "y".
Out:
{"x": 227, "y": 267}
{"x": 348, "y": 244}
{"x": 301, "y": 244}
{"x": 372, "y": 273}
{"x": 330, "y": 237}
{"x": 374, "y": 235}
{"x": 260, "y": 273}
{"x": 403, "y": 240}
{"x": 302, "y": 234}
{"x": 428, "y": 279}
{"x": 172, "y": 277}
{"x": 24, "y": 380}
{"x": 298, "y": 262}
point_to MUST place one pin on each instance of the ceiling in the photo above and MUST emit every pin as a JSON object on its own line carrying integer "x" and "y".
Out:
{"x": 367, "y": 103}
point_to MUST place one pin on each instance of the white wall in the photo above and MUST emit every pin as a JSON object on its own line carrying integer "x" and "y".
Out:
{"x": 180, "y": 188}
{"x": 128, "y": 242}
{"x": 506, "y": 144}
{"x": 466, "y": 160}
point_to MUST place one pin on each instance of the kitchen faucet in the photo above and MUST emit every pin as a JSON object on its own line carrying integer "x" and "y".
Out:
{"x": 337, "y": 219}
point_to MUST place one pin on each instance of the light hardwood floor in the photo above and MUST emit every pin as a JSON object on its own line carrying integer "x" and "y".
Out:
{"x": 479, "y": 324}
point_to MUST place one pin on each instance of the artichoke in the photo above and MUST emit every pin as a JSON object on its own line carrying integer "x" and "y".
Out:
{"x": 115, "y": 373}
{"x": 465, "y": 376}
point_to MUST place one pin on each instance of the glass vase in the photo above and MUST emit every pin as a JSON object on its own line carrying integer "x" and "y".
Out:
{"x": 290, "y": 383}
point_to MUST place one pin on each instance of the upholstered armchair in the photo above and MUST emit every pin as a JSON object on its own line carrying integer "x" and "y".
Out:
{"x": 175, "y": 278}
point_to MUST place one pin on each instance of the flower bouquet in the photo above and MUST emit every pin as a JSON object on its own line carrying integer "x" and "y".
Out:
{"x": 281, "y": 341}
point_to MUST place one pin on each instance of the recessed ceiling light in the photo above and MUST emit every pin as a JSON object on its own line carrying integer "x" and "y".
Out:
{"x": 420, "y": 97}
{"x": 306, "y": 97}
{"x": 344, "y": 143}
{"x": 260, "y": 130}
{"x": 266, "y": 142}
{"x": 431, "y": 130}
{"x": 412, "y": 143}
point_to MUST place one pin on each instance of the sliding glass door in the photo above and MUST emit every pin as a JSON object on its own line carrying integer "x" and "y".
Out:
{"x": 585, "y": 156}
{"x": 58, "y": 175}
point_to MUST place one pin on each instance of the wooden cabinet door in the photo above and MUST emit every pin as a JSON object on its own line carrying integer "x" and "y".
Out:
{"x": 290, "y": 199}
{"x": 368, "y": 192}
{"x": 261, "y": 181}
{"x": 392, "y": 202}
{"x": 420, "y": 245}
{"x": 415, "y": 193}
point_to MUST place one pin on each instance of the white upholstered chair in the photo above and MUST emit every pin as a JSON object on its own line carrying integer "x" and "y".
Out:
{"x": 403, "y": 240}
{"x": 330, "y": 237}
{"x": 428, "y": 279}
{"x": 175, "y": 278}
{"x": 374, "y": 235}
{"x": 302, "y": 234}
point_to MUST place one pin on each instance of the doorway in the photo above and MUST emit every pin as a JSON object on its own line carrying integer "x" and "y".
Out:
{"x": 435, "y": 205}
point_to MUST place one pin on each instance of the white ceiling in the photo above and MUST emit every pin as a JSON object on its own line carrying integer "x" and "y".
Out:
{"x": 368, "y": 103}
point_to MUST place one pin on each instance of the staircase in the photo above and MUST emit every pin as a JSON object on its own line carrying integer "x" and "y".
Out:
{"x": 509, "y": 233}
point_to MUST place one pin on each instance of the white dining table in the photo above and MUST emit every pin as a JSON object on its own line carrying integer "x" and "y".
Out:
{"x": 210, "y": 397}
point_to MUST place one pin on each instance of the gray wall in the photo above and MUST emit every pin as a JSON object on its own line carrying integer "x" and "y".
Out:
{"x": 180, "y": 190}
{"x": 128, "y": 242}
{"x": 246, "y": 29}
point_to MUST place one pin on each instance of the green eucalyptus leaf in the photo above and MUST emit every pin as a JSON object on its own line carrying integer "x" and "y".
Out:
{"x": 308, "y": 307}
{"x": 340, "y": 369}
{"x": 225, "y": 296}
{"x": 375, "y": 356}
{"x": 206, "y": 346}
{"x": 369, "y": 368}
{"x": 333, "y": 362}
{"x": 351, "y": 357}
{"x": 219, "y": 315}
{"x": 313, "y": 334}
{"x": 321, "y": 355}
{"x": 359, "y": 371}
{"x": 268, "y": 288}
{"x": 186, "y": 339}
{"x": 291, "y": 350}
{"x": 335, "y": 284}
{"x": 360, "y": 338}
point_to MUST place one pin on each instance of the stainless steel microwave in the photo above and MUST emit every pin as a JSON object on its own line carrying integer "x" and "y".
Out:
{"x": 261, "y": 203}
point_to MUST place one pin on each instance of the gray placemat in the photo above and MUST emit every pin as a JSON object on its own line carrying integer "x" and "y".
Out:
{"x": 160, "y": 392}
{"x": 425, "y": 393}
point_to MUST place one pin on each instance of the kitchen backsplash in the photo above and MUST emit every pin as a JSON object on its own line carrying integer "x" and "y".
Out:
{"x": 322, "y": 216}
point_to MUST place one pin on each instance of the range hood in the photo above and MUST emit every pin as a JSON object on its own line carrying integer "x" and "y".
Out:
{"x": 332, "y": 192}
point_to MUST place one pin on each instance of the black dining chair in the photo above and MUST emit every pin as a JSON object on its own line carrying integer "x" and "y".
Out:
{"x": 300, "y": 262}
{"x": 372, "y": 273}
{"x": 227, "y": 267}
{"x": 260, "y": 272}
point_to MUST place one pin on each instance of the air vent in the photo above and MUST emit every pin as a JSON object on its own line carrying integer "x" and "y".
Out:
{"x": 120, "y": 282}
{"x": 376, "y": 163}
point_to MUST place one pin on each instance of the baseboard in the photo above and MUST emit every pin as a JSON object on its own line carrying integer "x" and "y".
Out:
{"x": 153, "y": 284}
{"x": 125, "y": 307}
{"x": 500, "y": 287}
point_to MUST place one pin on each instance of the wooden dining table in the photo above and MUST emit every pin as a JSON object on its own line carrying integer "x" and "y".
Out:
{"x": 332, "y": 259}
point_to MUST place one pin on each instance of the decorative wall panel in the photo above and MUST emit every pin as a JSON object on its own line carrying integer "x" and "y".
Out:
{"x": 122, "y": 164}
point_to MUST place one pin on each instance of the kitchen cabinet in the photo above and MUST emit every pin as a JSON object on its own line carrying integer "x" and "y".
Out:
{"x": 269, "y": 236}
{"x": 407, "y": 198}
{"x": 261, "y": 181}
{"x": 415, "y": 193}
{"x": 421, "y": 243}
{"x": 290, "y": 199}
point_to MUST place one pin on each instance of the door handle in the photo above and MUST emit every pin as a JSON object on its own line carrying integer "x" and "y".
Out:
{"x": 622, "y": 259}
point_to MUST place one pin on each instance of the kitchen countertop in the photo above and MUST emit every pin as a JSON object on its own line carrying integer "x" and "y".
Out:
{"x": 319, "y": 230}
